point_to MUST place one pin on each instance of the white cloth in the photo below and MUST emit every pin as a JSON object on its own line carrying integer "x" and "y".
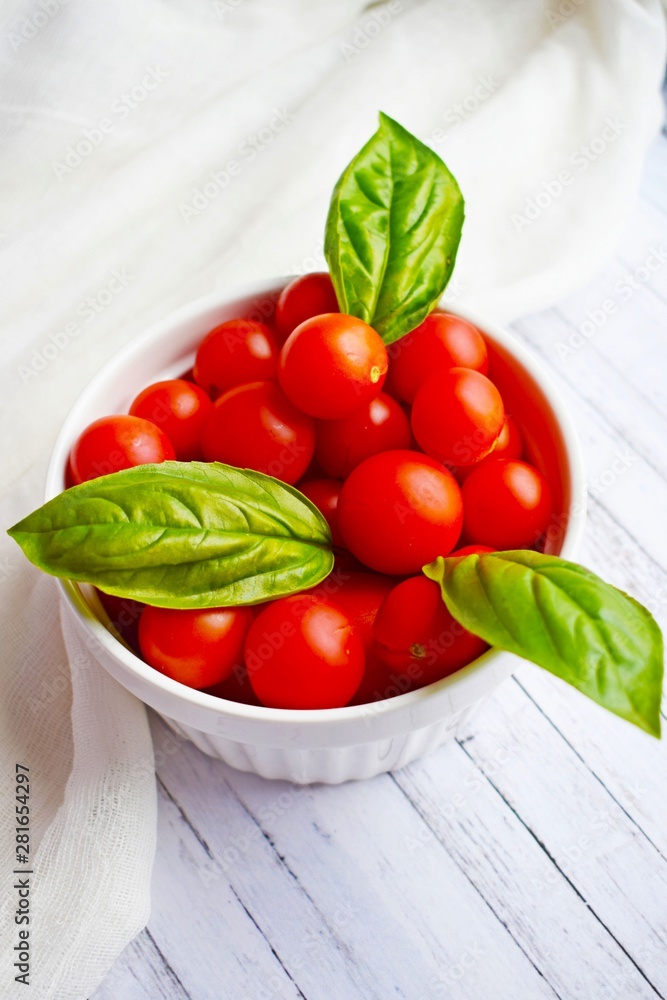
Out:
{"x": 153, "y": 152}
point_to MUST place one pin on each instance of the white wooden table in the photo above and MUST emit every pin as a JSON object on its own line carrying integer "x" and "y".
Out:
{"x": 528, "y": 859}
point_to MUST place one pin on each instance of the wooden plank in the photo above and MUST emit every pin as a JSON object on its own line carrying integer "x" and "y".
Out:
{"x": 243, "y": 861}
{"x": 334, "y": 858}
{"x": 211, "y": 941}
{"x": 629, "y": 765}
{"x": 513, "y": 873}
{"x": 609, "y": 550}
{"x": 631, "y": 339}
{"x": 142, "y": 973}
{"x": 621, "y": 478}
{"x": 614, "y": 403}
{"x": 618, "y": 873}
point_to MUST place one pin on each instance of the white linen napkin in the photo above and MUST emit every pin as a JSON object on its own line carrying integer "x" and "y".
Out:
{"x": 153, "y": 152}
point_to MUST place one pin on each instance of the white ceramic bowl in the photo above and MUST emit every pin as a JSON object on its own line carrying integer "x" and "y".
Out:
{"x": 330, "y": 745}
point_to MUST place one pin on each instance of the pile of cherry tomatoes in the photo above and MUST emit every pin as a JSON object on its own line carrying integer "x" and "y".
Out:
{"x": 407, "y": 452}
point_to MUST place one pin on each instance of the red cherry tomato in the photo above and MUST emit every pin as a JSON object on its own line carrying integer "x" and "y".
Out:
{"x": 457, "y": 416}
{"x": 358, "y": 595}
{"x": 508, "y": 445}
{"x": 378, "y": 425}
{"x": 381, "y": 681}
{"x": 324, "y": 494}
{"x": 198, "y": 648}
{"x": 472, "y": 550}
{"x": 414, "y": 628}
{"x": 331, "y": 365}
{"x": 303, "y": 653}
{"x": 507, "y": 504}
{"x": 399, "y": 510}
{"x": 234, "y": 353}
{"x": 178, "y": 408}
{"x": 441, "y": 341}
{"x": 236, "y": 688}
{"x": 114, "y": 443}
{"x": 255, "y": 426}
{"x": 307, "y": 296}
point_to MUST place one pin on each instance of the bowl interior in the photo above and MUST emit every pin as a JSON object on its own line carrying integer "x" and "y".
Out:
{"x": 545, "y": 444}
{"x": 167, "y": 351}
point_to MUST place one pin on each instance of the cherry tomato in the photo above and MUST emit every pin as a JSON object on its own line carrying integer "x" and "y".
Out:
{"x": 307, "y": 296}
{"x": 414, "y": 627}
{"x": 472, "y": 550}
{"x": 508, "y": 445}
{"x": 303, "y": 653}
{"x": 236, "y": 687}
{"x": 358, "y": 595}
{"x": 180, "y": 409}
{"x": 399, "y": 510}
{"x": 196, "y": 647}
{"x": 114, "y": 443}
{"x": 378, "y": 425}
{"x": 234, "y": 353}
{"x": 441, "y": 341}
{"x": 255, "y": 426}
{"x": 331, "y": 365}
{"x": 457, "y": 416}
{"x": 507, "y": 504}
{"x": 381, "y": 681}
{"x": 324, "y": 494}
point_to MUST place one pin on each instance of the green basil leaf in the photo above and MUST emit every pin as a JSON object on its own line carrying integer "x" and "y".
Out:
{"x": 392, "y": 232}
{"x": 565, "y": 619}
{"x": 182, "y": 535}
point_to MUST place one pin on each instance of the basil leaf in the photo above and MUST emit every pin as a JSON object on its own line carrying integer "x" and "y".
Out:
{"x": 182, "y": 535}
{"x": 565, "y": 619}
{"x": 392, "y": 232}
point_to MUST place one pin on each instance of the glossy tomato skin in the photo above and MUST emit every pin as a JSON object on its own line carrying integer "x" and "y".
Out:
{"x": 413, "y": 628}
{"x": 507, "y": 504}
{"x": 331, "y": 365}
{"x": 306, "y": 296}
{"x": 324, "y": 493}
{"x": 457, "y": 416}
{"x": 111, "y": 444}
{"x": 441, "y": 341}
{"x": 199, "y": 648}
{"x": 399, "y": 510}
{"x": 509, "y": 444}
{"x": 358, "y": 595}
{"x": 234, "y": 353}
{"x": 255, "y": 426}
{"x": 378, "y": 425}
{"x": 472, "y": 550}
{"x": 382, "y": 681}
{"x": 236, "y": 687}
{"x": 180, "y": 409}
{"x": 302, "y": 652}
